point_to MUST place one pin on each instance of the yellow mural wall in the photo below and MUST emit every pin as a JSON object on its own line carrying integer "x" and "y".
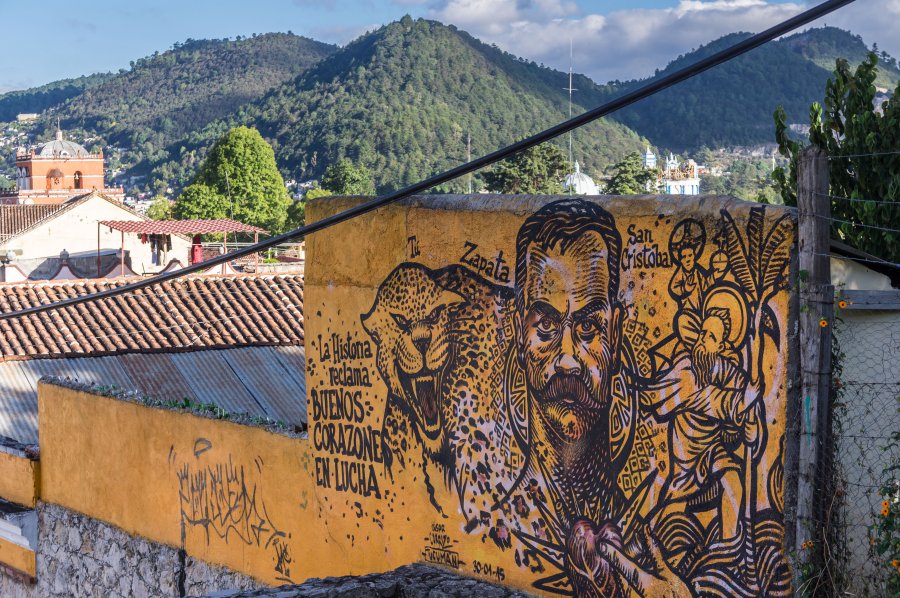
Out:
{"x": 18, "y": 479}
{"x": 605, "y": 419}
{"x": 609, "y": 420}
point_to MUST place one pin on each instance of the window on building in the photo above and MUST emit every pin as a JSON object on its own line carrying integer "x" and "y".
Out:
{"x": 78, "y": 182}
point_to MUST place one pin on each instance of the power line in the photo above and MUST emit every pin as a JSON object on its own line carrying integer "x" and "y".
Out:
{"x": 864, "y": 155}
{"x": 582, "y": 119}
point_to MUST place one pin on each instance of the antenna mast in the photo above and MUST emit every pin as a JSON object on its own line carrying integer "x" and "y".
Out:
{"x": 469, "y": 157}
{"x": 570, "y": 97}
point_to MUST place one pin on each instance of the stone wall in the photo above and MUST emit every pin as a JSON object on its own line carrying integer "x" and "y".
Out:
{"x": 80, "y": 556}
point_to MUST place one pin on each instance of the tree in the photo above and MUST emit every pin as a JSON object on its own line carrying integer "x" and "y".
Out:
{"x": 238, "y": 179}
{"x": 317, "y": 192}
{"x": 160, "y": 209}
{"x": 346, "y": 178}
{"x": 864, "y": 166}
{"x": 630, "y": 177}
{"x": 540, "y": 169}
{"x": 296, "y": 214}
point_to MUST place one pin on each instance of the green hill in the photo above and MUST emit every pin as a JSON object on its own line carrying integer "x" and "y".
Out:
{"x": 733, "y": 103}
{"x": 824, "y": 45}
{"x": 166, "y": 96}
{"x": 38, "y": 99}
{"x": 402, "y": 100}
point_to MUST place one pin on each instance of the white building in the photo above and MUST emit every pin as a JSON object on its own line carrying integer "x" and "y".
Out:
{"x": 649, "y": 159}
{"x": 680, "y": 178}
{"x": 38, "y": 241}
{"x": 580, "y": 183}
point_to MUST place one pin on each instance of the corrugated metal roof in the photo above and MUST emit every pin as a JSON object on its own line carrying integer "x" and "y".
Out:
{"x": 264, "y": 377}
{"x": 154, "y": 375}
{"x": 263, "y": 381}
{"x": 18, "y": 403}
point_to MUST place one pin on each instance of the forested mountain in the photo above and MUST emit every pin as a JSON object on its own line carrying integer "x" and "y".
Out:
{"x": 38, "y": 99}
{"x": 824, "y": 45}
{"x": 733, "y": 104}
{"x": 166, "y": 96}
{"x": 403, "y": 100}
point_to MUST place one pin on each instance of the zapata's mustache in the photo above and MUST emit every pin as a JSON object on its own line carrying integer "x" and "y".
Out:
{"x": 568, "y": 388}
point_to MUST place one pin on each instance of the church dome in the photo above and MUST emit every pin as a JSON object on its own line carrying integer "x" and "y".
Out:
{"x": 580, "y": 183}
{"x": 62, "y": 148}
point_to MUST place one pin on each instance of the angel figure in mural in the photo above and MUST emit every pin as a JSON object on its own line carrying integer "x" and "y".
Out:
{"x": 712, "y": 399}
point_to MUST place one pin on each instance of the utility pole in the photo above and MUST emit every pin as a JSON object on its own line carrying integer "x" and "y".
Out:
{"x": 816, "y": 315}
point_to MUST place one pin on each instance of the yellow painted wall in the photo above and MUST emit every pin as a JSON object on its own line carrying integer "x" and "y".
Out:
{"x": 17, "y": 557}
{"x": 245, "y": 496}
{"x": 19, "y": 479}
{"x": 426, "y": 441}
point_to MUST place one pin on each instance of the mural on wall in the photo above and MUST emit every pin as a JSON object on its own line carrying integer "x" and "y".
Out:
{"x": 605, "y": 413}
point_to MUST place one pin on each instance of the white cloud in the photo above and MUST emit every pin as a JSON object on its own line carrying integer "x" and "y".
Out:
{"x": 631, "y": 43}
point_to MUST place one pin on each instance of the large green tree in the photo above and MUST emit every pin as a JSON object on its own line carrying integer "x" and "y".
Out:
{"x": 160, "y": 209}
{"x": 346, "y": 178}
{"x": 540, "y": 169}
{"x": 238, "y": 180}
{"x": 861, "y": 141}
{"x": 630, "y": 177}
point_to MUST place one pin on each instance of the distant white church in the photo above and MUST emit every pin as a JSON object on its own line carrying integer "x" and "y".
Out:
{"x": 580, "y": 183}
{"x": 677, "y": 178}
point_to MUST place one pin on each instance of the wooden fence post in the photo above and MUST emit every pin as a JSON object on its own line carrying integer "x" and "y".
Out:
{"x": 816, "y": 319}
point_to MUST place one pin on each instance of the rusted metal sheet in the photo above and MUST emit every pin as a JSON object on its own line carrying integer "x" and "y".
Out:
{"x": 213, "y": 381}
{"x": 105, "y": 371}
{"x": 264, "y": 376}
{"x": 293, "y": 360}
{"x": 18, "y": 403}
{"x": 263, "y": 381}
{"x": 156, "y": 375}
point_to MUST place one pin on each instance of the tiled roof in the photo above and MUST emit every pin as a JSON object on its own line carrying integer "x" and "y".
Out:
{"x": 17, "y": 218}
{"x": 186, "y": 314}
{"x": 181, "y": 227}
{"x": 20, "y": 218}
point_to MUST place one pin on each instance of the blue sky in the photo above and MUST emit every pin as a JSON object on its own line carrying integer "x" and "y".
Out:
{"x": 612, "y": 39}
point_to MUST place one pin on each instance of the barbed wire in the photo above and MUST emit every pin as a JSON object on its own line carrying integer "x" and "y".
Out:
{"x": 862, "y": 200}
{"x": 859, "y": 259}
{"x": 872, "y": 226}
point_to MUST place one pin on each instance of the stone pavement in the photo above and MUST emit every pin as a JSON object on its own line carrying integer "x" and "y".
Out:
{"x": 410, "y": 581}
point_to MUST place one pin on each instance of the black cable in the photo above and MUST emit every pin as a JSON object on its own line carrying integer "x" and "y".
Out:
{"x": 564, "y": 127}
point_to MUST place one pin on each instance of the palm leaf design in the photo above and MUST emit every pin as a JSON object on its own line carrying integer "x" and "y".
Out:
{"x": 737, "y": 255}
{"x": 776, "y": 254}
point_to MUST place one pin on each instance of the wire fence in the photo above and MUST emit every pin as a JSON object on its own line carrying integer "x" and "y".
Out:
{"x": 864, "y": 418}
